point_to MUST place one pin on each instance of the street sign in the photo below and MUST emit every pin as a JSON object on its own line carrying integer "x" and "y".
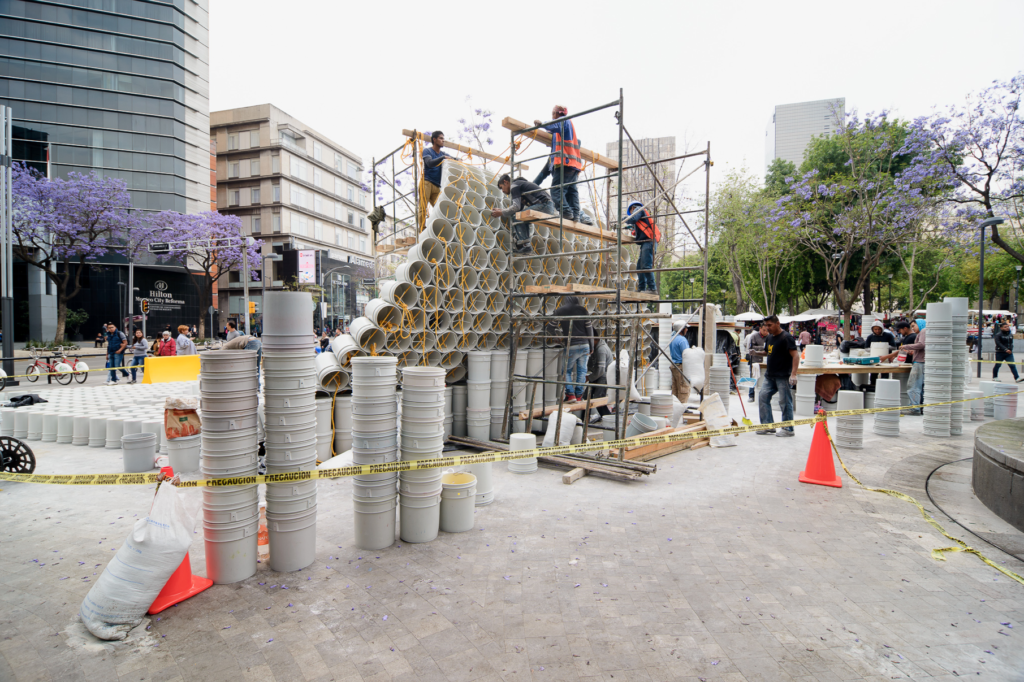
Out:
{"x": 160, "y": 247}
{"x": 369, "y": 282}
{"x": 145, "y": 305}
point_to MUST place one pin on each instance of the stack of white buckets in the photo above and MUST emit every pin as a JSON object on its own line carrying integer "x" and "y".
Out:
{"x": 850, "y": 430}
{"x": 887, "y": 394}
{"x": 959, "y": 362}
{"x": 422, "y": 437}
{"x": 478, "y": 396}
{"x": 938, "y": 369}
{"x": 374, "y": 419}
{"x": 290, "y": 413}
{"x": 814, "y": 356}
{"x": 719, "y": 379}
{"x": 229, "y": 399}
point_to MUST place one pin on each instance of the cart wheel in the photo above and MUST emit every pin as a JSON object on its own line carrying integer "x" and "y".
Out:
{"x": 15, "y": 456}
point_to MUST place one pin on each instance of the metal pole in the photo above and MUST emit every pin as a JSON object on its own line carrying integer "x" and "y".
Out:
{"x": 981, "y": 294}
{"x": 131, "y": 292}
{"x": 6, "y": 246}
{"x": 245, "y": 278}
{"x": 620, "y": 425}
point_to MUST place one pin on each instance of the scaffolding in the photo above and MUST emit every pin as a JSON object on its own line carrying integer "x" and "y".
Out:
{"x": 613, "y": 305}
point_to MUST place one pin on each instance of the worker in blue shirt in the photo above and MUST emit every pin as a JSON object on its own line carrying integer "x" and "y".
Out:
{"x": 564, "y": 166}
{"x": 680, "y": 385}
{"x": 430, "y": 188}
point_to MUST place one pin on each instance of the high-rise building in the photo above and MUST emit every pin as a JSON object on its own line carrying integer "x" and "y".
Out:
{"x": 793, "y": 125}
{"x": 120, "y": 88}
{"x": 296, "y": 190}
{"x": 639, "y": 185}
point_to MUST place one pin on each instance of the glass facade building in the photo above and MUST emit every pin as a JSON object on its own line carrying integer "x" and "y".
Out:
{"x": 120, "y": 87}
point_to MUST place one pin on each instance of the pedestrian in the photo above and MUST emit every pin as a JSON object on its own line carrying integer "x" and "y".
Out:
{"x": 780, "y": 377}
{"x": 646, "y": 235}
{"x": 915, "y": 383}
{"x": 1004, "y": 350}
{"x": 165, "y": 346}
{"x": 756, "y": 353}
{"x": 185, "y": 345}
{"x": 564, "y": 165}
{"x": 101, "y": 338}
{"x": 232, "y": 331}
{"x": 680, "y": 384}
{"x": 139, "y": 349}
{"x": 805, "y": 338}
{"x": 526, "y": 196}
{"x": 325, "y": 341}
{"x": 600, "y": 360}
{"x": 244, "y": 342}
{"x": 430, "y": 187}
{"x": 579, "y": 343}
{"x": 116, "y": 344}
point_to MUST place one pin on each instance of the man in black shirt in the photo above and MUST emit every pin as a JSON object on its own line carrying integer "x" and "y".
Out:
{"x": 526, "y": 196}
{"x": 878, "y": 335}
{"x": 783, "y": 362}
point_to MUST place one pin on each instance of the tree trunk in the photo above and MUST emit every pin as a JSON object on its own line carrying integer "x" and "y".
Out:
{"x": 62, "y": 315}
{"x": 867, "y": 298}
{"x": 737, "y": 286}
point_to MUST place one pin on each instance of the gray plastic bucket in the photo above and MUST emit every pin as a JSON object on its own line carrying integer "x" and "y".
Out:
{"x": 230, "y": 496}
{"x": 300, "y": 397}
{"x": 374, "y": 409}
{"x": 229, "y": 383}
{"x": 214, "y": 422}
{"x": 421, "y": 396}
{"x": 365, "y": 487}
{"x": 484, "y": 483}
{"x": 138, "y": 450}
{"x": 290, "y": 435}
{"x": 183, "y": 453}
{"x": 216, "y": 516}
{"x": 291, "y": 488}
{"x": 421, "y": 517}
{"x": 287, "y": 504}
{"x": 292, "y": 541}
{"x": 229, "y": 403}
{"x": 419, "y": 486}
{"x": 231, "y": 552}
{"x": 374, "y": 521}
{"x": 294, "y": 416}
{"x": 224, "y": 466}
{"x": 374, "y": 442}
{"x": 640, "y": 424}
{"x": 458, "y": 499}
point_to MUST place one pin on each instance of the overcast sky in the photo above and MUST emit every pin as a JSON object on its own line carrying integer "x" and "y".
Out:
{"x": 360, "y": 72}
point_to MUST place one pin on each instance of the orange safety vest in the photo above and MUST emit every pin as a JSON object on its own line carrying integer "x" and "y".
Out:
{"x": 647, "y": 226}
{"x": 570, "y": 147}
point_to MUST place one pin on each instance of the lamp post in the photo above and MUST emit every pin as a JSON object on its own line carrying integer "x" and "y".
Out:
{"x": 263, "y": 266}
{"x": 1016, "y": 298}
{"x": 691, "y": 289}
{"x": 981, "y": 279}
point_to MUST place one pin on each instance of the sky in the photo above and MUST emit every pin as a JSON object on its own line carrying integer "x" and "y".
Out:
{"x": 360, "y": 72}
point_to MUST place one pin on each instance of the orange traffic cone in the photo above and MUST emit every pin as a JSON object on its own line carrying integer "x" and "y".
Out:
{"x": 819, "y": 468}
{"x": 180, "y": 586}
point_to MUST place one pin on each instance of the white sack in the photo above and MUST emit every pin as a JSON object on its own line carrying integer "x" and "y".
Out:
{"x": 717, "y": 418}
{"x": 693, "y": 367}
{"x": 569, "y": 423}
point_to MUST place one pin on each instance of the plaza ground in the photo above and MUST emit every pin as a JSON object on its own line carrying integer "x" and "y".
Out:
{"x": 720, "y": 566}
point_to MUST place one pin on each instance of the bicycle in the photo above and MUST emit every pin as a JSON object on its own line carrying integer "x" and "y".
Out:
{"x": 81, "y": 370}
{"x": 41, "y": 367}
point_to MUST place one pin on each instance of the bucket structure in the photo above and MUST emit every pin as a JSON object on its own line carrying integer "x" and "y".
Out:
{"x": 292, "y": 433}
{"x": 229, "y": 448}
{"x": 324, "y": 430}
{"x": 183, "y": 453}
{"x": 374, "y": 437}
{"x": 522, "y": 441}
{"x": 342, "y": 423}
{"x": 938, "y": 370}
{"x": 422, "y": 431}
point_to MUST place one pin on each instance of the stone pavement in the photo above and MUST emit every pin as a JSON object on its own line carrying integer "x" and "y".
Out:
{"x": 719, "y": 567}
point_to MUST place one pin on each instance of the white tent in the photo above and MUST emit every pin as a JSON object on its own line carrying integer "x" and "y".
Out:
{"x": 749, "y": 317}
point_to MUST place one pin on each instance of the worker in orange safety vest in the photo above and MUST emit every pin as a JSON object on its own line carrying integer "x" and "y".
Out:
{"x": 564, "y": 165}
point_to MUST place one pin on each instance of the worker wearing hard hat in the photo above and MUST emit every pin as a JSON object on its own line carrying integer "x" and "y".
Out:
{"x": 647, "y": 236}
{"x": 564, "y": 165}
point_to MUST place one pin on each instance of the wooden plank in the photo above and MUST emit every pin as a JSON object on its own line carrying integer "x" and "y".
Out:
{"x": 596, "y": 469}
{"x": 544, "y": 136}
{"x": 851, "y": 369}
{"x": 634, "y": 453}
{"x": 463, "y": 148}
{"x": 570, "y": 226}
{"x": 571, "y": 407}
{"x": 626, "y": 295}
{"x": 548, "y": 289}
{"x": 702, "y": 444}
{"x": 573, "y": 475}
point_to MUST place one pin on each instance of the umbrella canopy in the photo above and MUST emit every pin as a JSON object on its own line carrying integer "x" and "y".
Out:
{"x": 749, "y": 317}
{"x": 815, "y": 313}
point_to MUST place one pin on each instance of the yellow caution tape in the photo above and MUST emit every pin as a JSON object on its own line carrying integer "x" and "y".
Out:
{"x": 960, "y": 546}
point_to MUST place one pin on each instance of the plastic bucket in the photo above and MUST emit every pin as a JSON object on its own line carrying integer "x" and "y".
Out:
{"x": 373, "y": 409}
{"x": 640, "y": 424}
{"x": 293, "y": 539}
{"x": 274, "y": 416}
{"x": 371, "y": 489}
{"x": 421, "y": 431}
{"x": 229, "y": 442}
{"x": 294, "y": 398}
{"x": 287, "y": 381}
{"x": 429, "y": 486}
{"x": 231, "y": 552}
{"x": 421, "y": 413}
{"x": 421, "y": 517}
{"x": 374, "y": 441}
{"x": 292, "y": 452}
{"x": 229, "y": 403}
{"x": 374, "y": 522}
{"x": 290, "y": 504}
{"x": 290, "y": 435}
{"x": 458, "y": 498}
{"x": 484, "y": 483}
{"x": 414, "y": 397}
{"x": 221, "y": 462}
{"x": 183, "y": 453}
{"x": 231, "y": 496}
{"x": 286, "y": 312}
{"x": 216, "y": 518}
{"x": 422, "y": 377}
{"x": 138, "y": 450}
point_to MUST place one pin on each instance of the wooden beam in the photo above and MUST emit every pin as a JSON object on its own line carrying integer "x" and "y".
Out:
{"x": 544, "y": 136}
{"x": 462, "y": 148}
{"x": 553, "y": 222}
{"x": 625, "y": 295}
{"x": 573, "y": 475}
{"x": 571, "y": 407}
{"x": 637, "y": 452}
{"x": 595, "y": 469}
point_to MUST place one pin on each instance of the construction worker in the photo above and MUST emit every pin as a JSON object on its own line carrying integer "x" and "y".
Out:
{"x": 564, "y": 166}
{"x": 525, "y": 196}
{"x": 430, "y": 188}
{"x": 647, "y": 236}
{"x": 680, "y": 384}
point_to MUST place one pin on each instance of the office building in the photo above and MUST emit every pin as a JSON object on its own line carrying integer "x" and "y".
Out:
{"x": 296, "y": 190}
{"x": 639, "y": 185}
{"x": 793, "y": 125}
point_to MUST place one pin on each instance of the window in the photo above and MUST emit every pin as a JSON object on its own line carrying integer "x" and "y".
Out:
{"x": 298, "y": 169}
{"x": 339, "y": 187}
{"x": 254, "y": 138}
{"x": 298, "y": 197}
{"x": 318, "y": 204}
{"x": 277, "y": 194}
{"x": 255, "y": 198}
{"x": 233, "y": 198}
{"x": 276, "y": 222}
{"x": 256, "y": 225}
{"x": 254, "y": 167}
{"x": 338, "y": 211}
{"x": 232, "y": 141}
{"x": 318, "y": 230}
{"x": 351, "y": 218}
{"x": 353, "y": 171}
{"x": 318, "y": 151}
{"x": 352, "y": 194}
{"x": 362, "y": 223}
{"x": 318, "y": 177}
{"x": 298, "y": 224}
{"x": 339, "y": 163}
{"x": 362, "y": 244}
{"x": 337, "y": 238}
{"x": 233, "y": 169}
{"x": 352, "y": 241}
{"x": 288, "y": 140}
{"x": 275, "y": 163}
{"x": 362, "y": 199}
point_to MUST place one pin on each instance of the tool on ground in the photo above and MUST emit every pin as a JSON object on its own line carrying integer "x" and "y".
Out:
{"x": 746, "y": 419}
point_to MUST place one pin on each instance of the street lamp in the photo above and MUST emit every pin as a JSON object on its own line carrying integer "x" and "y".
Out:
{"x": 981, "y": 279}
{"x": 270, "y": 257}
{"x": 691, "y": 287}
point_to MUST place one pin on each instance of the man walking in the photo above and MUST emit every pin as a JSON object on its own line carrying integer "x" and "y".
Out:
{"x": 1004, "y": 350}
{"x": 915, "y": 383}
{"x": 430, "y": 188}
{"x": 564, "y": 166}
{"x": 755, "y": 352}
{"x": 647, "y": 235}
{"x": 680, "y": 385}
{"x": 526, "y": 196}
{"x": 783, "y": 363}
{"x": 116, "y": 344}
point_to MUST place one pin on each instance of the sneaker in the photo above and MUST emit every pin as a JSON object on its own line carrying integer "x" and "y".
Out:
{"x": 585, "y": 219}
{"x": 765, "y": 432}
{"x": 569, "y": 216}
{"x": 132, "y": 381}
{"x": 750, "y": 400}
{"x": 523, "y": 247}
{"x": 570, "y": 398}
{"x": 783, "y": 433}
{"x": 1020, "y": 380}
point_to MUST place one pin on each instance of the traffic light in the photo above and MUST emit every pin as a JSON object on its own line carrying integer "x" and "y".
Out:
{"x": 252, "y": 307}
{"x": 145, "y": 306}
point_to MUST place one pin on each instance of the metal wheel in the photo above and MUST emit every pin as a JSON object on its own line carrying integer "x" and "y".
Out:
{"x": 63, "y": 378}
{"x": 32, "y": 373}
{"x": 15, "y": 456}
{"x": 80, "y": 377}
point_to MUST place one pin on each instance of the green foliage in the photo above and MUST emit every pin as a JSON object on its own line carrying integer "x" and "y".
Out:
{"x": 76, "y": 318}
{"x": 775, "y": 184}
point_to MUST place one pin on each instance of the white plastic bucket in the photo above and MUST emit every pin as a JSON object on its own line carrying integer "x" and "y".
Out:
{"x": 138, "y": 450}
{"x": 293, "y": 540}
{"x": 183, "y": 453}
{"x": 231, "y": 552}
{"x": 374, "y": 521}
{"x": 420, "y": 517}
{"x": 458, "y": 498}
{"x": 484, "y": 483}
{"x": 640, "y": 424}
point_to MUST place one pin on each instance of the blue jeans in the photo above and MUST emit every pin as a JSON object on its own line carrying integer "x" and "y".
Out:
{"x": 771, "y": 386}
{"x": 645, "y": 280}
{"x": 115, "y": 360}
{"x": 571, "y": 205}
{"x": 915, "y": 385}
{"x": 521, "y": 231}
{"x": 1000, "y": 356}
{"x": 137, "y": 361}
{"x": 576, "y": 369}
